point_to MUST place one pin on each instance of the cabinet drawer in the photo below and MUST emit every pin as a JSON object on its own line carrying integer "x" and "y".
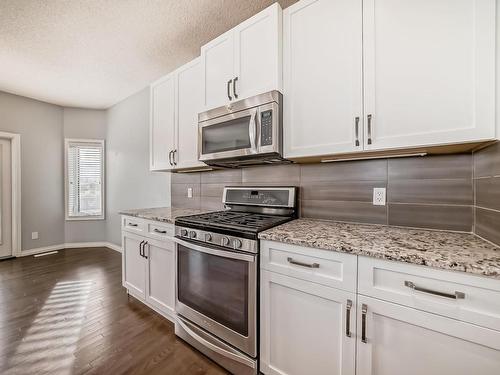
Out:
{"x": 160, "y": 231}
{"x": 454, "y": 294}
{"x": 324, "y": 267}
{"x": 132, "y": 224}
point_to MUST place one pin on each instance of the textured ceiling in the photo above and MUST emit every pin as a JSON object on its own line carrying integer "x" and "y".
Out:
{"x": 94, "y": 53}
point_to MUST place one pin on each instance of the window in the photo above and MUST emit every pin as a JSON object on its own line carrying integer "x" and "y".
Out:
{"x": 84, "y": 179}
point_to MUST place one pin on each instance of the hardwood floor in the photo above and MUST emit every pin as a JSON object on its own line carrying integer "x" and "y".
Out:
{"x": 69, "y": 314}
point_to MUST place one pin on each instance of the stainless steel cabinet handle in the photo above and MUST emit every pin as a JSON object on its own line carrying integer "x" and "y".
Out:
{"x": 229, "y": 89}
{"x": 170, "y": 157}
{"x": 369, "y": 118}
{"x": 234, "y": 87}
{"x": 160, "y": 231}
{"x": 174, "y": 153}
{"x": 364, "y": 310}
{"x": 144, "y": 249}
{"x": 356, "y": 126}
{"x": 456, "y": 295}
{"x": 297, "y": 263}
{"x": 348, "y": 318}
{"x": 140, "y": 248}
{"x": 132, "y": 225}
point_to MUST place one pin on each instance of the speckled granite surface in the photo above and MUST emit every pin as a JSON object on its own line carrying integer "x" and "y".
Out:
{"x": 163, "y": 214}
{"x": 439, "y": 249}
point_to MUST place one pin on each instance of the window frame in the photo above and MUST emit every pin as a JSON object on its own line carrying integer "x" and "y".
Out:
{"x": 97, "y": 142}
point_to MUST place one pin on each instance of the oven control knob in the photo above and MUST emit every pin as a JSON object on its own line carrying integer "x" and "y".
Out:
{"x": 184, "y": 232}
{"x": 192, "y": 234}
{"x": 208, "y": 237}
{"x": 237, "y": 244}
{"x": 225, "y": 241}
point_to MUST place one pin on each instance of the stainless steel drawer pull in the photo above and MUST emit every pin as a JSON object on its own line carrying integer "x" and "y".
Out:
{"x": 297, "y": 263}
{"x": 456, "y": 295}
{"x": 364, "y": 311}
{"x": 356, "y": 128}
{"x": 132, "y": 225}
{"x": 348, "y": 318}
{"x": 159, "y": 231}
{"x": 228, "y": 89}
{"x": 369, "y": 118}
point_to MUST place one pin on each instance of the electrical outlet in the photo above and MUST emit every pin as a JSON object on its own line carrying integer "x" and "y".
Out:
{"x": 379, "y": 196}
{"x": 190, "y": 192}
{"x": 34, "y": 235}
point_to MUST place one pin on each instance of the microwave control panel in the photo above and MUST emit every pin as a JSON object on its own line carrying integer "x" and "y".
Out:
{"x": 266, "y": 128}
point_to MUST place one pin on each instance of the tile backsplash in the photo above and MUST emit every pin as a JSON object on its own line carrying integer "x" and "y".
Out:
{"x": 487, "y": 193}
{"x": 428, "y": 192}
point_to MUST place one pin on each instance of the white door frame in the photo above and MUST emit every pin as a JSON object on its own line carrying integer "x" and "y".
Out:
{"x": 15, "y": 150}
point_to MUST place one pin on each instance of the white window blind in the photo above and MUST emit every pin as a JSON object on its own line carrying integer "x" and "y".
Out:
{"x": 84, "y": 179}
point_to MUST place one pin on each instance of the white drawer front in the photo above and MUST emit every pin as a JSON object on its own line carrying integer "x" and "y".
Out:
{"x": 133, "y": 224}
{"x": 160, "y": 231}
{"x": 324, "y": 267}
{"x": 457, "y": 295}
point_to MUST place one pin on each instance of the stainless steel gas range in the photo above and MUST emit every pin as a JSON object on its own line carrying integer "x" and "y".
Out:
{"x": 217, "y": 290}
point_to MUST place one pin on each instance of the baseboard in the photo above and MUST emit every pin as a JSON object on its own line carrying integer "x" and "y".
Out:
{"x": 70, "y": 245}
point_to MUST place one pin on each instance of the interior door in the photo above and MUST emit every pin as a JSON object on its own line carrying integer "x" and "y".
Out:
{"x": 160, "y": 288}
{"x": 133, "y": 264}
{"x": 305, "y": 326}
{"x": 5, "y": 199}
{"x": 402, "y": 340}
{"x": 189, "y": 104}
{"x": 162, "y": 128}
{"x": 218, "y": 70}
{"x": 322, "y": 77}
{"x": 257, "y": 49}
{"x": 429, "y": 71}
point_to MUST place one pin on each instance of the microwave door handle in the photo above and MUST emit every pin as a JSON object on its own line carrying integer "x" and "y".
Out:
{"x": 252, "y": 131}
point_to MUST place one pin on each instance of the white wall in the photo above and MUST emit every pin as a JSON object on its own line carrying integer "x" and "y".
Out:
{"x": 41, "y": 128}
{"x": 86, "y": 124}
{"x": 129, "y": 182}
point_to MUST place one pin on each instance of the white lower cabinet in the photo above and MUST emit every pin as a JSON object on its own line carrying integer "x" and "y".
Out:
{"x": 148, "y": 268}
{"x": 306, "y": 328}
{"x": 403, "y": 340}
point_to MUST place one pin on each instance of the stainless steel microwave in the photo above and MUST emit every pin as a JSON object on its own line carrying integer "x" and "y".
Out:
{"x": 246, "y": 132}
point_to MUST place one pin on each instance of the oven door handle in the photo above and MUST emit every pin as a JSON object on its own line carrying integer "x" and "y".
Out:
{"x": 214, "y": 347}
{"x": 212, "y": 251}
{"x": 252, "y": 131}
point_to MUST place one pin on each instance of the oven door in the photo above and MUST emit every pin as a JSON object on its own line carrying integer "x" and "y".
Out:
{"x": 229, "y": 136}
{"x": 217, "y": 290}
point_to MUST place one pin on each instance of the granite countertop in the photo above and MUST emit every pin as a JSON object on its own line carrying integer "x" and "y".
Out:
{"x": 162, "y": 214}
{"x": 440, "y": 249}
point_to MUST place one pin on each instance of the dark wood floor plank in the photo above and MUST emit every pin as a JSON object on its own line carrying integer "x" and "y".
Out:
{"x": 68, "y": 314}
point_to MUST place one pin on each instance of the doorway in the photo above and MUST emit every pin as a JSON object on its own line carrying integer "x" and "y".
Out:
{"x": 10, "y": 195}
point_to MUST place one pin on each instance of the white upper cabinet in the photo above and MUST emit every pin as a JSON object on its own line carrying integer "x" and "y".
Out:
{"x": 244, "y": 61}
{"x": 218, "y": 71}
{"x": 415, "y": 73}
{"x": 162, "y": 122}
{"x": 176, "y": 101}
{"x": 429, "y": 72}
{"x": 189, "y": 104}
{"x": 322, "y": 69}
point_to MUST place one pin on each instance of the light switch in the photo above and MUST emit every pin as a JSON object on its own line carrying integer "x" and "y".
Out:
{"x": 34, "y": 235}
{"x": 190, "y": 192}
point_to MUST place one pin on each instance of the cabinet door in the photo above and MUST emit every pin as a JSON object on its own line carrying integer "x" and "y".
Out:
{"x": 322, "y": 81}
{"x": 402, "y": 340}
{"x": 160, "y": 286}
{"x": 218, "y": 69}
{"x": 257, "y": 50}
{"x": 133, "y": 264}
{"x": 429, "y": 71}
{"x": 189, "y": 103}
{"x": 303, "y": 327}
{"x": 162, "y": 123}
